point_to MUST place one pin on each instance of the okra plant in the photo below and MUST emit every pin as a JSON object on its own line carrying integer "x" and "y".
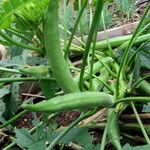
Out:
{"x": 109, "y": 76}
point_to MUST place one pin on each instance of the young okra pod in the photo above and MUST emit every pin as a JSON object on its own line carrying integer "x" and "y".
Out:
{"x": 72, "y": 101}
{"x": 54, "y": 52}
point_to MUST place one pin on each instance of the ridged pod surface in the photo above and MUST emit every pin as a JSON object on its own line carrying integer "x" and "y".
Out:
{"x": 54, "y": 53}
{"x": 72, "y": 101}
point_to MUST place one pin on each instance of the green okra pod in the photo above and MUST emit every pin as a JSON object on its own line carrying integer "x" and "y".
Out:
{"x": 72, "y": 101}
{"x": 54, "y": 52}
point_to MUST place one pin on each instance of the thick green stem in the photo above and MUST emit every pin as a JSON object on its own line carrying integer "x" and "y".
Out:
{"x": 92, "y": 58}
{"x": 74, "y": 29}
{"x": 134, "y": 99}
{"x": 9, "y": 80}
{"x": 95, "y": 23}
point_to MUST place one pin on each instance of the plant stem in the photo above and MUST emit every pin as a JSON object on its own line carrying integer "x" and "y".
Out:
{"x": 126, "y": 52}
{"x": 9, "y": 80}
{"x": 138, "y": 82}
{"x": 65, "y": 21}
{"x": 19, "y": 35}
{"x": 134, "y": 99}
{"x": 13, "y": 119}
{"x": 92, "y": 57}
{"x": 81, "y": 117}
{"x": 74, "y": 29}
{"x": 139, "y": 40}
{"x": 94, "y": 25}
{"x": 134, "y": 138}
{"x": 103, "y": 141}
{"x": 108, "y": 69}
{"x": 105, "y": 84}
{"x": 25, "y": 46}
{"x": 74, "y": 46}
{"x": 22, "y": 32}
{"x": 92, "y": 60}
{"x": 80, "y": 22}
{"x": 106, "y": 35}
{"x": 77, "y": 38}
{"x": 10, "y": 70}
{"x": 131, "y": 58}
{"x": 140, "y": 123}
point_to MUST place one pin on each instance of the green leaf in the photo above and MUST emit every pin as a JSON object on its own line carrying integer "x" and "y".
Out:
{"x": 2, "y": 109}
{"x": 146, "y": 108}
{"x": 39, "y": 145}
{"x": 7, "y": 10}
{"x": 126, "y": 6}
{"x": 3, "y": 92}
{"x": 49, "y": 88}
{"x": 11, "y": 102}
{"x": 34, "y": 12}
{"x": 31, "y": 142}
{"x": 80, "y": 136}
{"x": 128, "y": 147}
{"x": 24, "y": 138}
{"x": 23, "y": 60}
{"x": 145, "y": 57}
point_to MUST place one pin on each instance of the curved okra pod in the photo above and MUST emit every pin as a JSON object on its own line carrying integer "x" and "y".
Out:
{"x": 54, "y": 53}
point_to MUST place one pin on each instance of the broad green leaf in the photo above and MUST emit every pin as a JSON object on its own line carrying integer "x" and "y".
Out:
{"x": 80, "y": 136}
{"x": 143, "y": 147}
{"x": 23, "y": 60}
{"x": 11, "y": 102}
{"x": 37, "y": 140}
{"x": 48, "y": 88}
{"x": 145, "y": 57}
{"x": 3, "y": 92}
{"x": 146, "y": 108}
{"x": 38, "y": 145}
{"x": 34, "y": 12}
{"x": 7, "y": 10}
{"x": 24, "y": 138}
{"x": 2, "y": 109}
